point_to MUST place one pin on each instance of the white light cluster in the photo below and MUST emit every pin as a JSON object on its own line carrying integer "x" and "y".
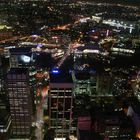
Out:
{"x": 123, "y": 50}
{"x": 25, "y": 58}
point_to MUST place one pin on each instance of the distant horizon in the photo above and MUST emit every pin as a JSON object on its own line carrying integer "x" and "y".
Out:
{"x": 134, "y": 2}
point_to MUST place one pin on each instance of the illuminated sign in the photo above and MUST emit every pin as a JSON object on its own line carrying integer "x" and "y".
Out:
{"x": 25, "y": 58}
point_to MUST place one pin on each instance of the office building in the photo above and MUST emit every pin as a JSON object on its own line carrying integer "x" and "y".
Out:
{"x": 20, "y": 57}
{"x": 104, "y": 85}
{"x": 20, "y": 101}
{"x": 61, "y": 103}
{"x": 3, "y": 96}
{"x": 5, "y": 119}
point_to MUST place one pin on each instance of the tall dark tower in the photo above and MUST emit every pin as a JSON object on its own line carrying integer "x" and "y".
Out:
{"x": 5, "y": 119}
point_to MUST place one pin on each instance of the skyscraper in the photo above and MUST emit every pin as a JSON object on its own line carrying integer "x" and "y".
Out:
{"x": 61, "y": 103}
{"x": 23, "y": 58}
{"x": 5, "y": 119}
{"x": 20, "y": 57}
{"x": 3, "y": 96}
{"x": 20, "y": 102}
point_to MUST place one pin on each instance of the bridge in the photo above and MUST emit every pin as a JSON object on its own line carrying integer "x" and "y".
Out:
{"x": 30, "y": 40}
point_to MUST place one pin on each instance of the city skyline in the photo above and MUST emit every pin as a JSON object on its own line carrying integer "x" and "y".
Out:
{"x": 69, "y": 70}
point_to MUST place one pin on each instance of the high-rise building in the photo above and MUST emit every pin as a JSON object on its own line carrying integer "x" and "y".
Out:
{"x": 3, "y": 96}
{"x": 104, "y": 83}
{"x": 81, "y": 86}
{"x": 5, "y": 119}
{"x": 84, "y": 76}
{"x": 61, "y": 103}
{"x": 117, "y": 128}
{"x": 20, "y": 57}
{"x": 5, "y": 124}
{"x": 20, "y": 101}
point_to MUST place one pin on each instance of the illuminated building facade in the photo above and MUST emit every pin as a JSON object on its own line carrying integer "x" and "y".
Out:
{"x": 23, "y": 58}
{"x": 60, "y": 105}
{"x": 20, "y": 101}
{"x": 20, "y": 57}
